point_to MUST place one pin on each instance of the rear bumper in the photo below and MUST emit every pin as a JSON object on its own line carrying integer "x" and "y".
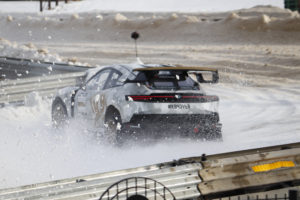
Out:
{"x": 175, "y": 118}
{"x": 153, "y": 110}
{"x": 180, "y": 124}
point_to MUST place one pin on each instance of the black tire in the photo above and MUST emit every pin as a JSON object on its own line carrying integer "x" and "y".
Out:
{"x": 59, "y": 114}
{"x": 113, "y": 123}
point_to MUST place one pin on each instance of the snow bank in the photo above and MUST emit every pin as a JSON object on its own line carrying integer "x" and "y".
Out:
{"x": 242, "y": 25}
{"x": 264, "y": 22}
{"x": 28, "y": 51}
{"x": 161, "y": 6}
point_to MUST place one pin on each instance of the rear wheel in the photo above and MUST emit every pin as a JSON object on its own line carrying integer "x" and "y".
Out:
{"x": 59, "y": 113}
{"x": 114, "y": 126}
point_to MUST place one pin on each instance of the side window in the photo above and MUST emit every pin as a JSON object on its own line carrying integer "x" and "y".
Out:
{"x": 98, "y": 81}
{"x": 113, "y": 81}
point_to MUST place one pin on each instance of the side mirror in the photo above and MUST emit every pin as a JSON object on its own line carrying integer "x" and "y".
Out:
{"x": 208, "y": 77}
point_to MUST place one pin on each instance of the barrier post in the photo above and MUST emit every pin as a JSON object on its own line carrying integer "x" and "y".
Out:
{"x": 41, "y": 5}
{"x": 49, "y": 4}
{"x": 293, "y": 195}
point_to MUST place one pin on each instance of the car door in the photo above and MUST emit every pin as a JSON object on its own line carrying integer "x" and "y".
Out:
{"x": 87, "y": 96}
{"x": 102, "y": 100}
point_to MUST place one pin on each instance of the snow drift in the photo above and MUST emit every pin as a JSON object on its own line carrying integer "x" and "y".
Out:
{"x": 28, "y": 51}
{"x": 169, "y": 27}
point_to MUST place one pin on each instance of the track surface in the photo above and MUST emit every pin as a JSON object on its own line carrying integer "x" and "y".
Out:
{"x": 251, "y": 117}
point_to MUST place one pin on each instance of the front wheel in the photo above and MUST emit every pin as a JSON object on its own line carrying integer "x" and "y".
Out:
{"x": 59, "y": 113}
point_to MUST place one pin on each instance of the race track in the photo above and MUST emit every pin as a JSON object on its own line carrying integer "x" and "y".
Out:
{"x": 251, "y": 117}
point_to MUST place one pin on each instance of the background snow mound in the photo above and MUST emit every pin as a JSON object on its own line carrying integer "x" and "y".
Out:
{"x": 232, "y": 16}
{"x": 265, "y": 19}
{"x": 75, "y": 16}
{"x": 119, "y": 17}
{"x": 192, "y": 19}
{"x": 245, "y": 24}
{"x": 28, "y": 51}
{"x": 264, "y": 22}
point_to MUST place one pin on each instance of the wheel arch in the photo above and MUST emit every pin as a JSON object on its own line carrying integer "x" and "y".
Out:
{"x": 59, "y": 100}
{"x": 109, "y": 111}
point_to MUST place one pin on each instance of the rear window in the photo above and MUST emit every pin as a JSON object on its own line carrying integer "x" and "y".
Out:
{"x": 168, "y": 80}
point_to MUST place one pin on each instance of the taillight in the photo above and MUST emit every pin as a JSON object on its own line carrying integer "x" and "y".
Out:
{"x": 146, "y": 97}
{"x": 172, "y": 98}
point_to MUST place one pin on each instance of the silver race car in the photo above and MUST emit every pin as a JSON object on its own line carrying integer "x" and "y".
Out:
{"x": 139, "y": 99}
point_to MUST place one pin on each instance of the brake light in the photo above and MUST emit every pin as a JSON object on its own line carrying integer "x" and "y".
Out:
{"x": 172, "y": 98}
{"x": 147, "y": 97}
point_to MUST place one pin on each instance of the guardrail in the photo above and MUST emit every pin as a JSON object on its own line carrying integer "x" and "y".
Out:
{"x": 205, "y": 177}
{"x": 24, "y": 76}
{"x": 15, "y": 91}
{"x": 16, "y": 68}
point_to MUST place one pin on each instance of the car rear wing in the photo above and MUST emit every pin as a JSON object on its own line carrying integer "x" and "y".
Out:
{"x": 202, "y": 74}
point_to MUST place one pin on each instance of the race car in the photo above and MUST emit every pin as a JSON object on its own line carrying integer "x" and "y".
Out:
{"x": 137, "y": 99}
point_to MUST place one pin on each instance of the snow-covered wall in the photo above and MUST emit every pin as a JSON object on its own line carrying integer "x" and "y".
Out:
{"x": 141, "y": 5}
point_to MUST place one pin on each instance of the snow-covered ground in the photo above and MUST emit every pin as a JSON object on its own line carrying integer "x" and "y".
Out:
{"x": 31, "y": 151}
{"x": 257, "y": 51}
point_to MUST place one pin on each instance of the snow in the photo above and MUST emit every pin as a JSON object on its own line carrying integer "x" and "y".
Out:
{"x": 39, "y": 153}
{"x": 256, "y": 50}
{"x": 28, "y": 51}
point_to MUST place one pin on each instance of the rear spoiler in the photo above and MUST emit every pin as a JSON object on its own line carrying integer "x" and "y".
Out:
{"x": 180, "y": 68}
{"x": 199, "y": 72}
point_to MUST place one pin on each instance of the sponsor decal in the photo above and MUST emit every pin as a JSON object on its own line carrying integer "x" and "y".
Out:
{"x": 179, "y": 106}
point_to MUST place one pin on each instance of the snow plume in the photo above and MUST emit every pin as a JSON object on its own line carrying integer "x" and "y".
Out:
{"x": 28, "y": 51}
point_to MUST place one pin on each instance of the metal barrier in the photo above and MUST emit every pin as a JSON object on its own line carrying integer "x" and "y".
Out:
{"x": 283, "y": 194}
{"x": 181, "y": 180}
{"x": 17, "y": 68}
{"x": 15, "y": 91}
{"x": 24, "y": 76}
{"x": 206, "y": 177}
